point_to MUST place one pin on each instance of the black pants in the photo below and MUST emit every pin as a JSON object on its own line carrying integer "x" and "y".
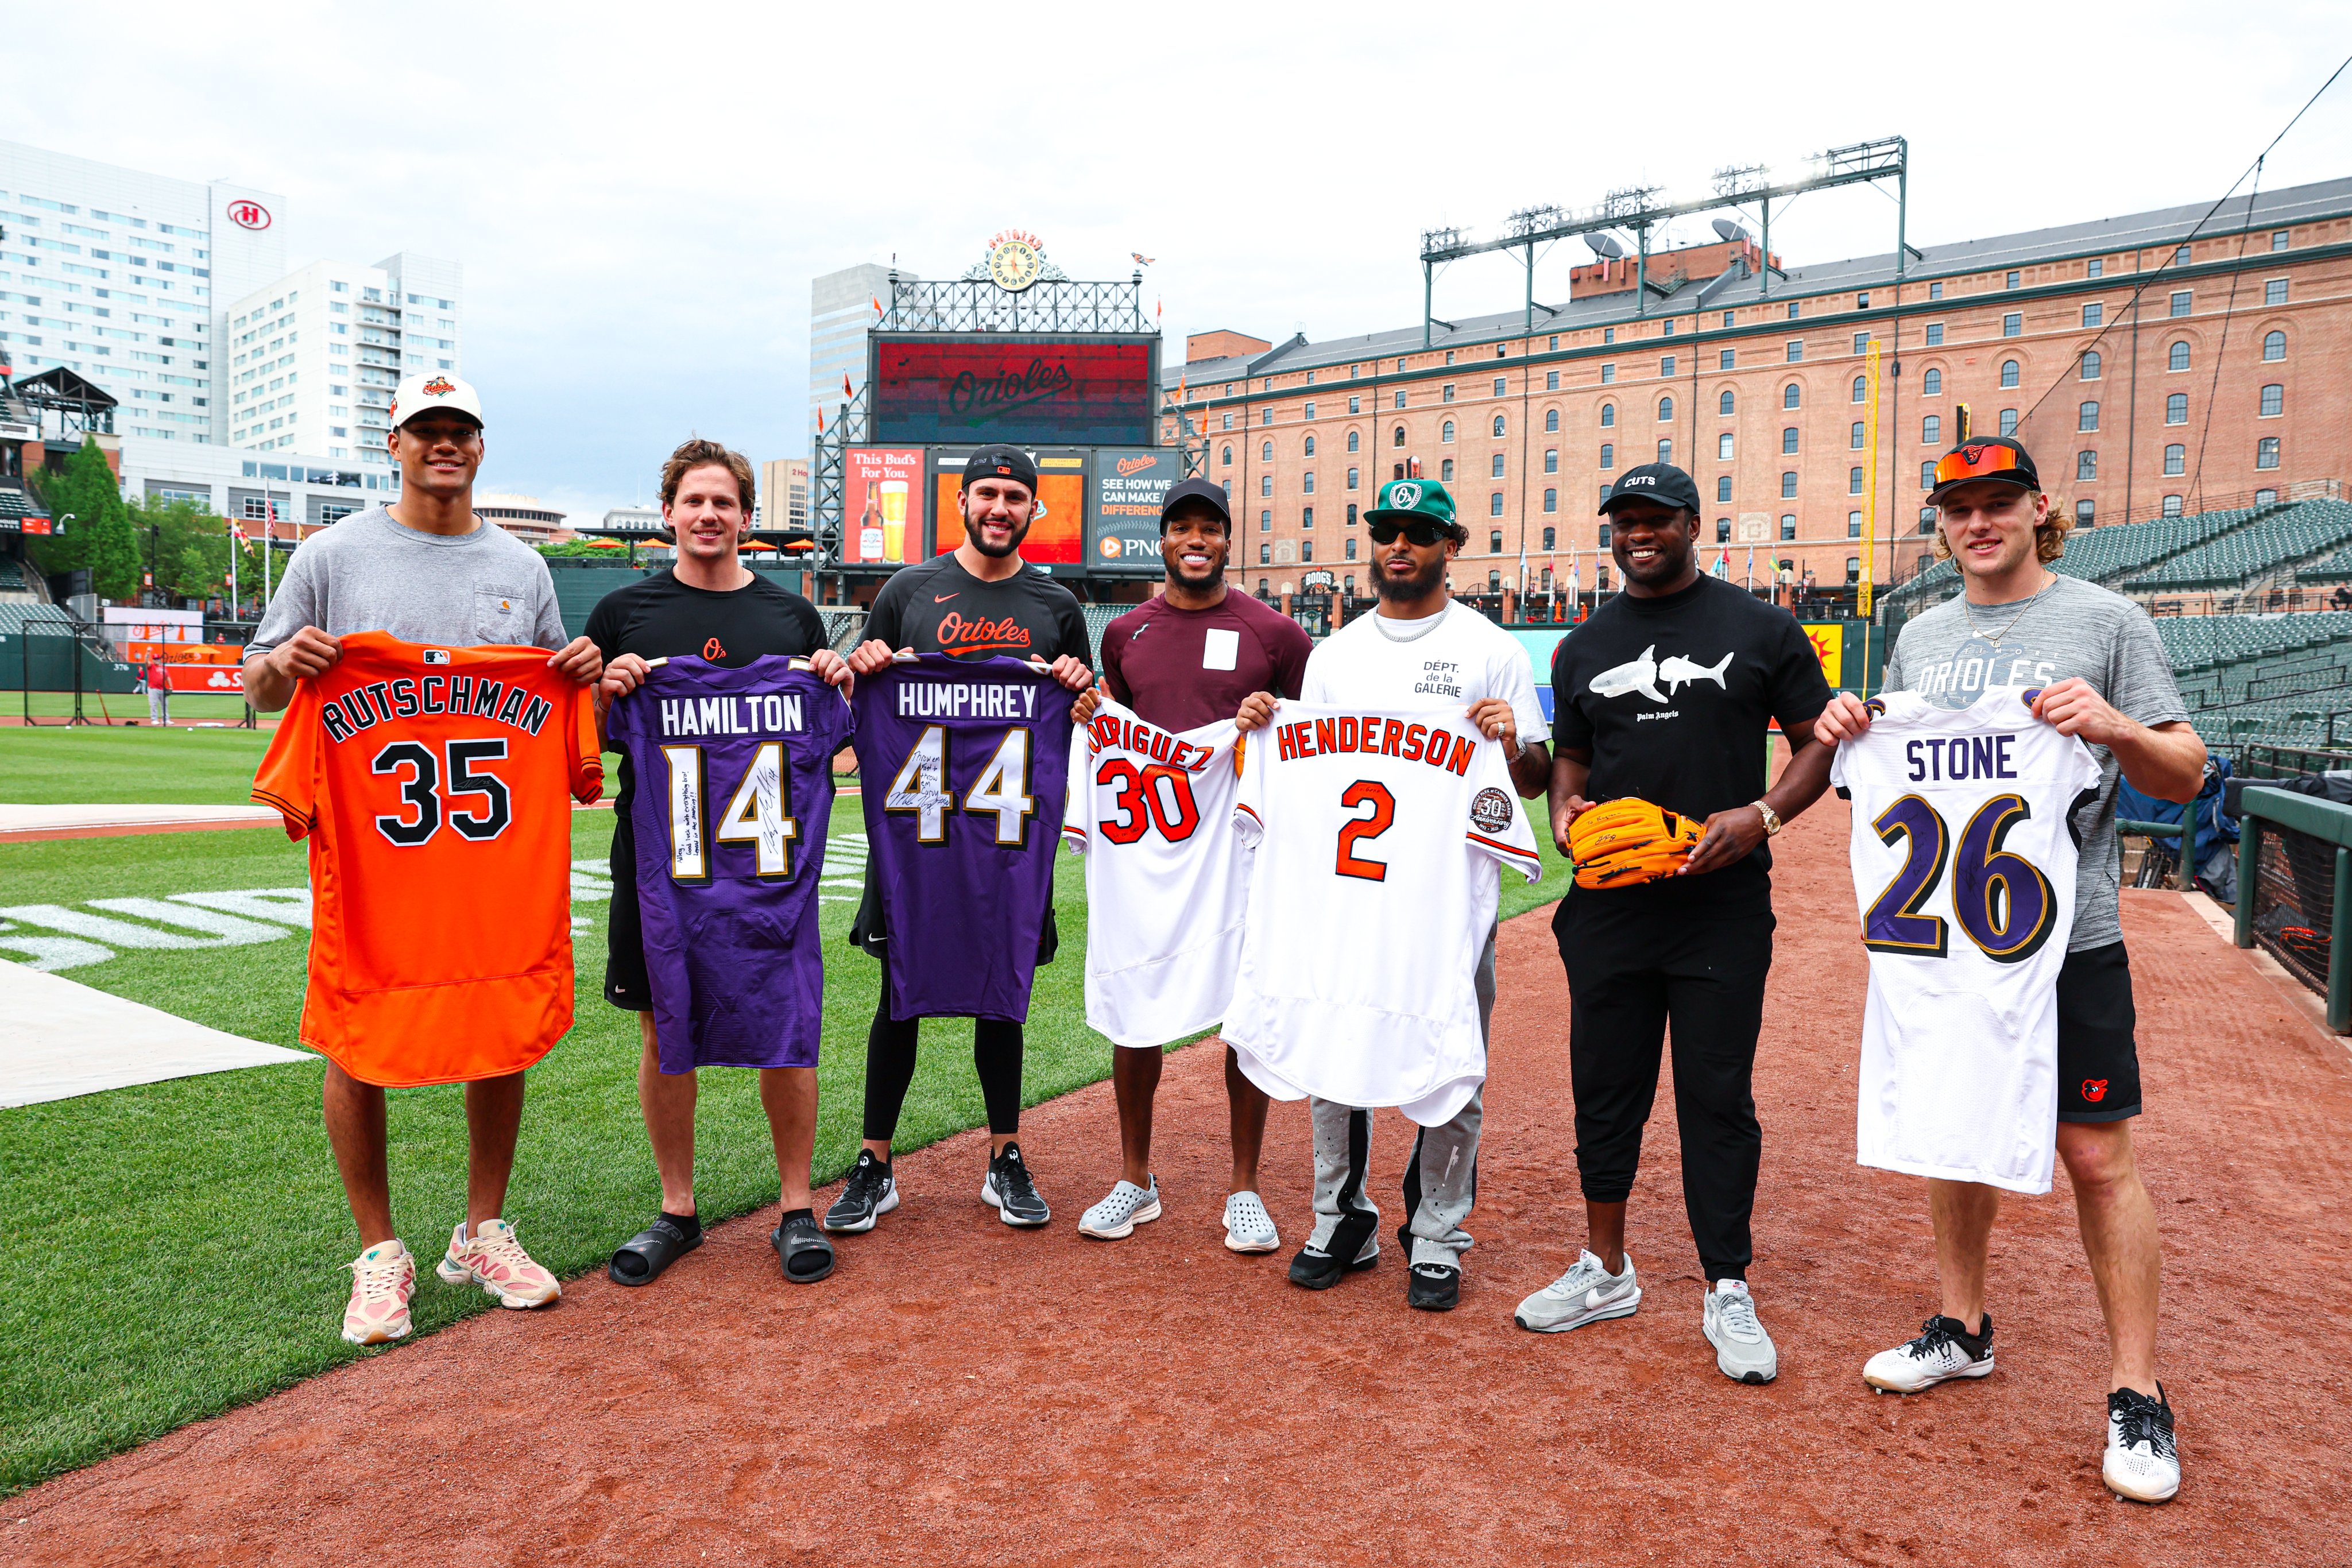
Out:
{"x": 1629, "y": 971}
{"x": 890, "y": 1068}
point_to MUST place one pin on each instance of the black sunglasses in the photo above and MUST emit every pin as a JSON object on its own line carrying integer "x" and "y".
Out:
{"x": 1420, "y": 533}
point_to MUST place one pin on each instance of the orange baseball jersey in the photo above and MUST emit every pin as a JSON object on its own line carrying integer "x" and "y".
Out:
{"x": 432, "y": 784}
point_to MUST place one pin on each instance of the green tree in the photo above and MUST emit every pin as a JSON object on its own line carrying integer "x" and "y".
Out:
{"x": 189, "y": 545}
{"x": 99, "y": 537}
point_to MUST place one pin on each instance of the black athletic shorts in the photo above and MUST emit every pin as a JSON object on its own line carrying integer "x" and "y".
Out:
{"x": 2098, "y": 1059}
{"x": 626, "y": 984}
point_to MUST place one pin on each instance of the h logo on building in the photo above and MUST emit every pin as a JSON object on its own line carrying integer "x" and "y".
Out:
{"x": 248, "y": 215}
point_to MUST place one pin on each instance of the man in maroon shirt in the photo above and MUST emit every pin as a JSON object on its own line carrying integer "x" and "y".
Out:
{"x": 1196, "y": 656}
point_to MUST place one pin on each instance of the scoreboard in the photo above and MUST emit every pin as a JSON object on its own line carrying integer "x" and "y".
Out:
{"x": 1029, "y": 390}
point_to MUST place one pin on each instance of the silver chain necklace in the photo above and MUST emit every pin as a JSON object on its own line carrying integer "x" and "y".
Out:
{"x": 2032, "y": 599}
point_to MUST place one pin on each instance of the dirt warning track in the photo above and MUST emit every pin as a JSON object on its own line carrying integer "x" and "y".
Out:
{"x": 960, "y": 1391}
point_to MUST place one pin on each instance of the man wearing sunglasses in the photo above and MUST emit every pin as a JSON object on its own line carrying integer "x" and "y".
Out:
{"x": 2103, "y": 678}
{"x": 1419, "y": 648}
{"x": 1663, "y": 694}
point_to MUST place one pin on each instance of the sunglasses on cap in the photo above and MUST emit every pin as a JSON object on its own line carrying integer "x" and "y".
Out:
{"x": 1419, "y": 533}
{"x": 1985, "y": 461}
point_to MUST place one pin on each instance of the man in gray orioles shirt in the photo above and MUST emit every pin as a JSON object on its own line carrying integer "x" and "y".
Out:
{"x": 430, "y": 571}
{"x": 2102, "y": 677}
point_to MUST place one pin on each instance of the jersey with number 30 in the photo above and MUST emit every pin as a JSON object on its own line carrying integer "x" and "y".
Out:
{"x": 1378, "y": 839}
{"x": 433, "y": 784}
{"x": 734, "y": 794}
{"x": 1964, "y": 856}
{"x": 964, "y": 771}
{"x": 1166, "y": 878}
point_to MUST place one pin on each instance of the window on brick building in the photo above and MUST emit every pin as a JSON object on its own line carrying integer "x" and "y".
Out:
{"x": 2177, "y": 357}
{"x": 1794, "y": 308}
{"x": 1265, "y": 483}
{"x": 2274, "y": 400}
{"x": 1788, "y": 485}
{"x": 1931, "y": 384}
{"x": 1500, "y": 426}
{"x": 1551, "y": 421}
{"x": 1608, "y": 455}
{"x": 1722, "y": 488}
{"x": 1927, "y": 474}
{"x": 2172, "y": 505}
{"x": 1264, "y": 557}
{"x": 1608, "y": 415}
{"x": 2175, "y": 458}
{"x": 1229, "y": 454}
{"x": 1723, "y": 530}
{"x": 1446, "y": 392}
{"x": 1400, "y": 397}
{"x": 2014, "y": 278}
{"x": 1498, "y": 467}
{"x": 1608, "y": 375}
{"x": 1796, "y": 350}
{"x": 1445, "y": 471}
{"x": 1551, "y": 504}
{"x": 1934, "y": 334}
{"x": 1355, "y": 441}
{"x": 1854, "y": 525}
{"x": 1854, "y": 481}
{"x": 2275, "y": 346}
{"x": 1861, "y": 389}
{"x": 1788, "y": 525}
{"x": 2278, "y": 239}
{"x": 1266, "y": 452}
{"x": 1666, "y": 450}
{"x": 1725, "y": 404}
{"x": 2096, "y": 267}
{"x": 1309, "y": 447}
{"x": 2013, "y": 324}
{"x": 1355, "y": 404}
{"x": 1351, "y": 478}
{"x": 2008, "y": 372}
{"x": 1498, "y": 386}
{"x": 1667, "y": 365}
{"x": 1861, "y": 342}
{"x": 1665, "y": 410}
{"x": 1935, "y": 291}
{"x": 1551, "y": 378}
{"x": 2086, "y": 512}
{"x": 1308, "y": 411}
{"x": 1604, "y": 527}
{"x": 1931, "y": 430}
{"x": 1551, "y": 459}
{"x": 2091, "y": 364}
{"x": 2086, "y": 465}
{"x": 1352, "y": 514}
{"x": 1723, "y": 447}
{"x": 1306, "y": 517}
{"x": 1307, "y": 483}
{"x": 2266, "y": 452}
{"x": 2086, "y": 417}
{"x": 1789, "y": 438}
{"x": 1725, "y": 360}
{"x": 1400, "y": 436}
{"x": 1791, "y": 396}
{"x": 2175, "y": 409}
{"x": 2009, "y": 422}
{"x": 1445, "y": 431}
{"x": 1229, "y": 420}
{"x": 1926, "y": 525}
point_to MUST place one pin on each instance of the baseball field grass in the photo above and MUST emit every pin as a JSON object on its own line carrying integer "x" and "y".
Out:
{"x": 176, "y": 1247}
{"x": 123, "y": 709}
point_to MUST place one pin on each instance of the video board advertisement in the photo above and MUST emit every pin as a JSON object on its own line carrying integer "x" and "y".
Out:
{"x": 1130, "y": 487}
{"x": 1029, "y": 390}
{"x": 1056, "y": 529}
{"x": 882, "y": 506}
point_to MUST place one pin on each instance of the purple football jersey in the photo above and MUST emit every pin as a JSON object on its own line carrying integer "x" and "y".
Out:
{"x": 963, "y": 769}
{"x": 734, "y": 790}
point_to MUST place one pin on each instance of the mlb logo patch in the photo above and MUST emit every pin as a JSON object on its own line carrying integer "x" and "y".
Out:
{"x": 436, "y": 655}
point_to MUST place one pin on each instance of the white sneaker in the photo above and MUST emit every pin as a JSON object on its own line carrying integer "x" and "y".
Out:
{"x": 2142, "y": 1463}
{"x": 1586, "y": 1293}
{"x": 1743, "y": 1351}
{"x": 1248, "y": 1226}
{"x": 1943, "y": 1351}
{"x": 382, "y": 1279}
{"x": 1127, "y": 1207}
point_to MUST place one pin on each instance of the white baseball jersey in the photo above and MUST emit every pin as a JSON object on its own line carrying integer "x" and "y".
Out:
{"x": 1964, "y": 871}
{"x": 1166, "y": 878}
{"x": 1379, "y": 836}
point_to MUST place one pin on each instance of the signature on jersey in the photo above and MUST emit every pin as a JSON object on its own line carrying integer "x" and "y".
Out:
{"x": 1642, "y": 675}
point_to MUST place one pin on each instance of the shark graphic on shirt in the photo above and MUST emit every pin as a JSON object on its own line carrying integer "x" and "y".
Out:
{"x": 1642, "y": 675}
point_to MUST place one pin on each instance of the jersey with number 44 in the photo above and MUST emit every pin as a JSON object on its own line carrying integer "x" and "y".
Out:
{"x": 435, "y": 786}
{"x": 1166, "y": 878}
{"x": 1963, "y": 851}
{"x": 1378, "y": 839}
{"x": 964, "y": 771}
{"x": 734, "y": 794}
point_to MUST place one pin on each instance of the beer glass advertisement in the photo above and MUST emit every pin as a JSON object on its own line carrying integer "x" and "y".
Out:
{"x": 1130, "y": 488}
{"x": 1028, "y": 391}
{"x": 881, "y": 505}
{"x": 1057, "y": 527}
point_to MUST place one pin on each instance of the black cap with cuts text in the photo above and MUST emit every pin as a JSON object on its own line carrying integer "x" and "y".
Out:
{"x": 1660, "y": 482}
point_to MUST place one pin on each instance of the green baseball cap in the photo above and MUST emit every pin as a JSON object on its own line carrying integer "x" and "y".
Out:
{"x": 1408, "y": 499}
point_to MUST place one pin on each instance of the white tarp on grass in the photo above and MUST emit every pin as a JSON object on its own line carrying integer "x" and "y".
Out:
{"x": 59, "y": 1038}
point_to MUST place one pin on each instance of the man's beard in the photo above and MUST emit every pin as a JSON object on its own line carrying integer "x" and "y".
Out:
{"x": 980, "y": 542}
{"x": 1214, "y": 572}
{"x": 1394, "y": 589}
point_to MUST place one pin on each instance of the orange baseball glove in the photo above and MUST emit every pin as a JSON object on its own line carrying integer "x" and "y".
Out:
{"x": 1621, "y": 843}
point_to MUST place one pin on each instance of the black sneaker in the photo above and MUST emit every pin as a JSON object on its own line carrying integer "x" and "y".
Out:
{"x": 870, "y": 1194}
{"x": 1355, "y": 1244}
{"x": 2142, "y": 1462}
{"x": 1009, "y": 1192}
{"x": 1433, "y": 1287}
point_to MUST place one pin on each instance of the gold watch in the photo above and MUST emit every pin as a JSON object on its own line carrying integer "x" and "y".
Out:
{"x": 1771, "y": 818}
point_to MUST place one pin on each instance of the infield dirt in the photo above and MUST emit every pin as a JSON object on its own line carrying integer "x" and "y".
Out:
{"x": 960, "y": 1391}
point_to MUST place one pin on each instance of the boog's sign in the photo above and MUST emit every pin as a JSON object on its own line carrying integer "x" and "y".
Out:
{"x": 1130, "y": 487}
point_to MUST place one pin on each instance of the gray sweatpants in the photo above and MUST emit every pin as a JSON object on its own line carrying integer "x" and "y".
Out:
{"x": 1441, "y": 1179}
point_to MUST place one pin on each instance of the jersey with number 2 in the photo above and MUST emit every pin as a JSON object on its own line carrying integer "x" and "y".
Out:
{"x": 1963, "y": 853}
{"x": 964, "y": 771}
{"x": 1166, "y": 878}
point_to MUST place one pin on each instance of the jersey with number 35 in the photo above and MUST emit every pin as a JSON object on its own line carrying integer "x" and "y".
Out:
{"x": 964, "y": 771}
{"x": 1166, "y": 878}
{"x": 1963, "y": 853}
{"x": 435, "y": 787}
{"x": 1378, "y": 839}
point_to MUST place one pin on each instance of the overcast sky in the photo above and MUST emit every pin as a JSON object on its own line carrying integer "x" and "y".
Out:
{"x": 641, "y": 195}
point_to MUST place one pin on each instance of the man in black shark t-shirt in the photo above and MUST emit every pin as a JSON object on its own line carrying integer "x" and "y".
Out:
{"x": 1665, "y": 695}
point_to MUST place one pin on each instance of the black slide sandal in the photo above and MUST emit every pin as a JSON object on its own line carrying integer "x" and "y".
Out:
{"x": 799, "y": 1241}
{"x": 650, "y": 1251}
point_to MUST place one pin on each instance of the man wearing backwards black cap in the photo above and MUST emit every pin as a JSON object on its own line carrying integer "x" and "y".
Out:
{"x": 1196, "y": 654}
{"x": 1663, "y": 694}
{"x": 979, "y": 600}
{"x": 2103, "y": 678}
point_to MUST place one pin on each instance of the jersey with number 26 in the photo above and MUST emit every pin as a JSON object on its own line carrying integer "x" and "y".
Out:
{"x": 1166, "y": 878}
{"x": 1964, "y": 854}
{"x": 964, "y": 770}
{"x": 1379, "y": 840}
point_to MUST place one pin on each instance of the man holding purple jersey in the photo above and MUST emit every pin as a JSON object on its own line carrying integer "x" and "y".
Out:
{"x": 710, "y": 606}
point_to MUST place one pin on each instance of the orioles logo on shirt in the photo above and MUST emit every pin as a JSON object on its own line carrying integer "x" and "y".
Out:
{"x": 1490, "y": 811}
{"x": 713, "y": 649}
{"x": 957, "y": 634}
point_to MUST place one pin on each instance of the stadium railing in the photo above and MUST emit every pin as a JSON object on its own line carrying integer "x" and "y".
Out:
{"x": 2279, "y": 893}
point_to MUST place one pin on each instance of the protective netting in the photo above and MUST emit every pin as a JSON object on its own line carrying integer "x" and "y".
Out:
{"x": 2294, "y": 900}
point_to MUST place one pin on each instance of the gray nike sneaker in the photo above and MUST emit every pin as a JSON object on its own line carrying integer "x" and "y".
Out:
{"x": 1743, "y": 1351}
{"x": 1586, "y": 1293}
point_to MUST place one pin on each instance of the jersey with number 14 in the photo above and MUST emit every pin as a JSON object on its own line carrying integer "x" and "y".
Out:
{"x": 964, "y": 771}
{"x": 1166, "y": 878}
{"x": 733, "y": 770}
{"x": 1379, "y": 840}
{"x": 1963, "y": 854}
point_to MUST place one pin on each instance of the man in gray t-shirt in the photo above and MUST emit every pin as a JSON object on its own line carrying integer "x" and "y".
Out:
{"x": 428, "y": 571}
{"x": 2103, "y": 677}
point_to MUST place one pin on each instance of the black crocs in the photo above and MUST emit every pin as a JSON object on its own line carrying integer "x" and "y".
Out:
{"x": 641, "y": 1258}
{"x": 802, "y": 1249}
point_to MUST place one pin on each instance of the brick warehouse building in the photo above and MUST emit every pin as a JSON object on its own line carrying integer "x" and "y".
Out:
{"x": 2231, "y": 375}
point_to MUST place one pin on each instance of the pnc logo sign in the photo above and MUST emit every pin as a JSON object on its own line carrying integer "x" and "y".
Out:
{"x": 248, "y": 215}
{"x": 1110, "y": 549}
